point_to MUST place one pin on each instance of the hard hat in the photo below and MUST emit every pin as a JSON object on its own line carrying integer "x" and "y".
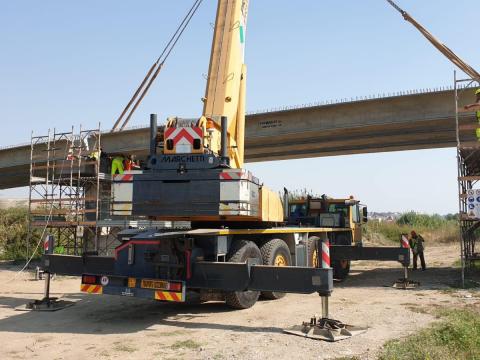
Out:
{"x": 477, "y": 92}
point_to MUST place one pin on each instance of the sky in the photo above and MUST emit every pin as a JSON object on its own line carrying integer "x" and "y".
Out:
{"x": 70, "y": 63}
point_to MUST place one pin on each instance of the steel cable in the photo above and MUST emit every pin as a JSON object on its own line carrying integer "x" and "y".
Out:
{"x": 157, "y": 66}
{"x": 449, "y": 54}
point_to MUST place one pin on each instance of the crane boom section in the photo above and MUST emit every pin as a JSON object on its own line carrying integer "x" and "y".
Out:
{"x": 227, "y": 76}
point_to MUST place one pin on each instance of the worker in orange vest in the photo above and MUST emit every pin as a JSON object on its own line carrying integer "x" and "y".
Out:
{"x": 131, "y": 163}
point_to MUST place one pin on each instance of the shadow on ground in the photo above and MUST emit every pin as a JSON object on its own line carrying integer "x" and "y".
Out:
{"x": 433, "y": 278}
{"x": 115, "y": 315}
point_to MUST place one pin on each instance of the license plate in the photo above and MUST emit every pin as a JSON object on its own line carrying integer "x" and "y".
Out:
{"x": 155, "y": 284}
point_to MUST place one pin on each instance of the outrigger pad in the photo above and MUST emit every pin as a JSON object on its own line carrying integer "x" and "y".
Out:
{"x": 325, "y": 329}
{"x": 406, "y": 284}
{"x": 46, "y": 304}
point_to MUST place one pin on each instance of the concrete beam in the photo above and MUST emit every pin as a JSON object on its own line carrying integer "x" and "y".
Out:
{"x": 407, "y": 122}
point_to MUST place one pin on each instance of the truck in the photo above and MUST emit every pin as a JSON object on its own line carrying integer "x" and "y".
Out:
{"x": 244, "y": 240}
{"x": 346, "y": 213}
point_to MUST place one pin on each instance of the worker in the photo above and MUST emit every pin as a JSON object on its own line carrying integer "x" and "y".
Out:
{"x": 70, "y": 155}
{"x": 476, "y": 104}
{"x": 417, "y": 245}
{"x": 104, "y": 162}
{"x": 95, "y": 155}
{"x": 131, "y": 163}
{"x": 117, "y": 164}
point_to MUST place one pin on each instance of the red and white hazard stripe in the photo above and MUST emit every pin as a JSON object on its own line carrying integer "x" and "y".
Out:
{"x": 236, "y": 175}
{"x": 46, "y": 244}
{"x": 325, "y": 253}
{"x": 189, "y": 133}
{"x": 405, "y": 243}
{"x": 123, "y": 177}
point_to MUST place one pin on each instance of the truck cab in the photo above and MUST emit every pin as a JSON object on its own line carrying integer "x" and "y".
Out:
{"x": 345, "y": 213}
{"x": 324, "y": 212}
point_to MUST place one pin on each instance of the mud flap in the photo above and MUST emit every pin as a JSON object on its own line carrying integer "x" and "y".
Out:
{"x": 325, "y": 329}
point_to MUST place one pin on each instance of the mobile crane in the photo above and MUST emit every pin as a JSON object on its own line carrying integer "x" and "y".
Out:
{"x": 243, "y": 241}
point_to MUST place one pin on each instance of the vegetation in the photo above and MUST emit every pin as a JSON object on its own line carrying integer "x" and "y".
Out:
{"x": 14, "y": 233}
{"x": 457, "y": 336}
{"x": 186, "y": 344}
{"x": 434, "y": 228}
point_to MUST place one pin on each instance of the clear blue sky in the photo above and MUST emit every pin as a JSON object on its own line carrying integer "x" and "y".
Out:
{"x": 64, "y": 63}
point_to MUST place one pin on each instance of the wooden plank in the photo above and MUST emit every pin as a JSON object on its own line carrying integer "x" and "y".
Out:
{"x": 63, "y": 223}
{"x": 471, "y": 108}
{"x": 469, "y": 178}
{"x": 65, "y": 164}
{"x": 63, "y": 200}
{"x": 470, "y": 145}
{"x": 63, "y": 212}
{"x": 468, "y": 127}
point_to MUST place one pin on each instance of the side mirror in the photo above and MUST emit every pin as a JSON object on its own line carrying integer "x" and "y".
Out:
{"x": 364, "y": 214}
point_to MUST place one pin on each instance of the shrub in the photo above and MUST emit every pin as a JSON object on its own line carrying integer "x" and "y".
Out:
{"x": 14, "y": 234}
{"x": 434, "y": 228}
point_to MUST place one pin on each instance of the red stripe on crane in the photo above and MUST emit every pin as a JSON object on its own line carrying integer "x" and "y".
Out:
{"x": 225, "y": 175}
{"x": 161, "y": 296}
{"x": 183, "y": 134}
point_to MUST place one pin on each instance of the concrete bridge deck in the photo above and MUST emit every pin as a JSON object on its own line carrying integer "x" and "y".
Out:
{"x": 405, "y": 122}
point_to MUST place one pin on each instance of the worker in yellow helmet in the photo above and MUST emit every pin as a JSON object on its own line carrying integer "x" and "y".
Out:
{"x": 94, "y": 155}
{"x": 476, "y": 104}
{"x": 117, "y": 164}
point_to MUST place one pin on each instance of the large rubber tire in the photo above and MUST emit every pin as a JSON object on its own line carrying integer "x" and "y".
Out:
{"x": 273, "y": 251}
{"x": 341, "y": 268}
{"x": 240, "y": 251}
{"x": 313, "y": 251}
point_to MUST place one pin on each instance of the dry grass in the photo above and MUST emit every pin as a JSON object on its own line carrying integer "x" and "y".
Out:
{"x": 456, "y": 336}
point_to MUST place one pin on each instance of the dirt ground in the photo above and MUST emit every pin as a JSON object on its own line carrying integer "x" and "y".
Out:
{"x": 105, "y": 327}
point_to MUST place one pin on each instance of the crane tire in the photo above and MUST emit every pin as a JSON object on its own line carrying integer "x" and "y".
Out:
{"x": 275, "y": 252}
{"x": 240, "y": 251}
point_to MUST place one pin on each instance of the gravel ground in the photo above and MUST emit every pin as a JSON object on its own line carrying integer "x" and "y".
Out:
{"x": 116, "y": 327}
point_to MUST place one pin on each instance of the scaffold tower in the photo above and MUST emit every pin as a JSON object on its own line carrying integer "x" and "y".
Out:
{"x": 64, "y": 188}
{"x": 468, "y": 160}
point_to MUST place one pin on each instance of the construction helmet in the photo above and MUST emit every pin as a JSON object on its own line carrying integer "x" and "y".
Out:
{"x": 477, "y": 92}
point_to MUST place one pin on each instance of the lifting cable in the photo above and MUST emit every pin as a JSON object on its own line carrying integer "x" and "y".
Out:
{"x": 155, "y": 69}
{"x": 462, "y": 65}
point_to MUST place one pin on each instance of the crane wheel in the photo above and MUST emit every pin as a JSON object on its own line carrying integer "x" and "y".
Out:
{"x": 240, "y": 251}
{"x": 275, "y": 252}
{"x": 313, "y": 248}
{"x": 341, "y": 268}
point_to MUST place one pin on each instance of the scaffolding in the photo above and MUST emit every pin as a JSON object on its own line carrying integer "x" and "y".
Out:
{"x": 64, "y": 194}
{"x": 468, "y": 160}
{"x": 70, "y": 195}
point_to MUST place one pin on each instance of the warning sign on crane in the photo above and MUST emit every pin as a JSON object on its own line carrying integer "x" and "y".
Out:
{"x": 473, "y": 204}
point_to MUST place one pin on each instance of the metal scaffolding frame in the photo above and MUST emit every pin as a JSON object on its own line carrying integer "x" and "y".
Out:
{"x": 63, "y": 190}
{"x": 70, "y": 194}
{"x": 468, "y": 161}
